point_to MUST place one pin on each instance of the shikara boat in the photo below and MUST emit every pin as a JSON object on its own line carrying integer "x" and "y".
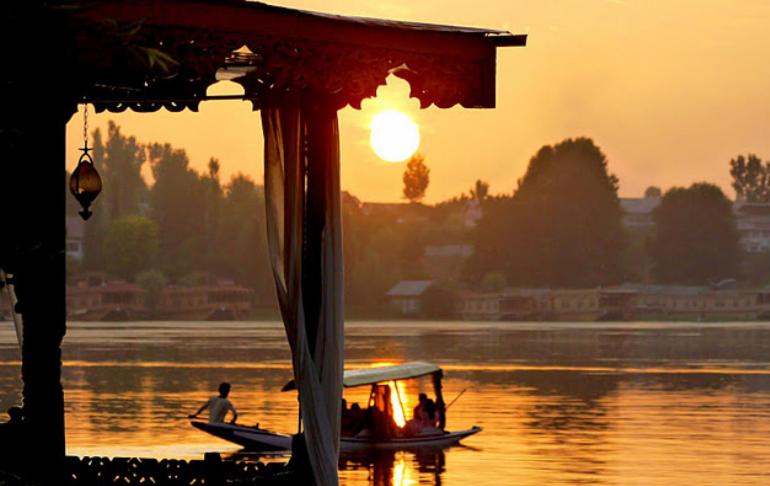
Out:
{"x": 262, "y": 440}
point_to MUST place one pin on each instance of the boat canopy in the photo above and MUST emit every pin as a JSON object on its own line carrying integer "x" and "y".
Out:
{"x": 370, "y": 376}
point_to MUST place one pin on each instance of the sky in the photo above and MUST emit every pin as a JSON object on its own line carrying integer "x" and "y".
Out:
{"x": 670, "y": 90}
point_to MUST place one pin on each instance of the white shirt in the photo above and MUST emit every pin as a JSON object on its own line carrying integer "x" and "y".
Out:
{"x": 218, "y": 408}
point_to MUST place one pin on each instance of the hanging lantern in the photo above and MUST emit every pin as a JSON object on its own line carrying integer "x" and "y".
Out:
{"x": 85, "y": 183}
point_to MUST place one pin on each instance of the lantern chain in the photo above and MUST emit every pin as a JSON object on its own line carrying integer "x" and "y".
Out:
{"x": 85, "y": 125}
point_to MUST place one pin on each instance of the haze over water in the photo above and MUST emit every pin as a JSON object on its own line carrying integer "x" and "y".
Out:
{"x": 627, "y": 403}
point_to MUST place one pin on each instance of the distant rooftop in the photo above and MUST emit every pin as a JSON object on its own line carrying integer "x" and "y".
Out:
{"x": 639, "y": 205}
{"x": 409, "y": 288}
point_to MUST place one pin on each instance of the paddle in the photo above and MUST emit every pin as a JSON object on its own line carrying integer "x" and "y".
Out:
{"x": 457, "y": 397}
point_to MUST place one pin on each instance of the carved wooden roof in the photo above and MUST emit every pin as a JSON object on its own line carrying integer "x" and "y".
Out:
{"x": 272, "y": 51}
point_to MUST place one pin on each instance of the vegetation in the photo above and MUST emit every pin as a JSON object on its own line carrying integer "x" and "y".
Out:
{"x": 130, "y": 245}
{"x": 751, "y": 178}
{"x": 416, "y": 179}
{"x": 185, "y": 222}
{"x": 561, "y": 228}
{"x": 696, "y": 241}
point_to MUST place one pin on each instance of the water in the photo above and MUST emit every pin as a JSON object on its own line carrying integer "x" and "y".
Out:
{"x": 627, "y": 403}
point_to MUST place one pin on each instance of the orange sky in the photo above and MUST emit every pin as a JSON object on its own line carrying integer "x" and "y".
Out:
{"x": 670, "y": 90}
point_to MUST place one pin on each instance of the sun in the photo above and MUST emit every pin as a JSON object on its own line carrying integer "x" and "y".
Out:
{"x": 395, "y": 137}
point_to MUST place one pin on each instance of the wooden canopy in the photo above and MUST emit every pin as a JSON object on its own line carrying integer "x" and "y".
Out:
{"x": 272, "y": 51}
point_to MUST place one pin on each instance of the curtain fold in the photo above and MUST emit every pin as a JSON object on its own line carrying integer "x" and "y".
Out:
{"x": 302, "y": 193}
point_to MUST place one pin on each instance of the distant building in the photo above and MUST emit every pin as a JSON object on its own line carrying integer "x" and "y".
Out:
{"x": 545, "y": 304}
{"x": 445, "y": 262}
{"x": 472, "y": 213}
{"x": 406, "y": 296}
{"x": 689, "y": 302}
{"x": 75, "y": 236}
{"x": 753, "y": 223}
{"x": 221, "y": 301}
{"x": 97, "y": 297}
{"x": 637, "y": 212}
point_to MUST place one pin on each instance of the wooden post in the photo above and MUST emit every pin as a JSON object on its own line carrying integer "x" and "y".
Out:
{"x": 33, "y": 171}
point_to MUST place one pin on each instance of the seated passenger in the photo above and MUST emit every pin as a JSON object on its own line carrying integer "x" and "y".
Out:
{"x": 419, "y": 419}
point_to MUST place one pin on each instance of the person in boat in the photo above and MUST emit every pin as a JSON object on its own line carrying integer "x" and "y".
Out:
{"x": 353, "y": 419}
{"x": 423, "y": 416}
{"x": 218, "y": 406}
{"x": 379, "y": 416}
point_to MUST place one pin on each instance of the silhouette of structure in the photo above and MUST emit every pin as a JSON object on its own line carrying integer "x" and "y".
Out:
{"x": 146, "y": 56}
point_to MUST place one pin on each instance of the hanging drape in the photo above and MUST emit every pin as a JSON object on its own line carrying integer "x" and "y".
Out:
{"x": 302, "y": 192}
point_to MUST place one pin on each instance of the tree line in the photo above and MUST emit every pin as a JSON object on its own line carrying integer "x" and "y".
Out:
{"x": 184, "y": 228}
{"x": 561, "y": 227}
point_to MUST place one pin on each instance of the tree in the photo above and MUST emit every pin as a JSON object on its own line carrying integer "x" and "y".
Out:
{"x": 152, "y": 282}
{"x": 653, "y": 192}
{"x": 751, "y": 178}
{"x": 480, "y": 190}
{"x": 416, "y": 178}
{"x": 561, "y": 228}
{"x": 695, "y": 240}
{"x": 120, "y": 159}
{"x": 242, "y": 241}
{"x": 178, "y": 204}
{"x": 131, "y": 245}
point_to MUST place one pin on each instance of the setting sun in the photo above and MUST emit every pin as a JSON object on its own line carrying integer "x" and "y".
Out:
{"x": 395, "y": 137}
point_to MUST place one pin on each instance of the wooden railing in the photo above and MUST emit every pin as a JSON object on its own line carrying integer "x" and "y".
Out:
{"x": 212, "y": 471}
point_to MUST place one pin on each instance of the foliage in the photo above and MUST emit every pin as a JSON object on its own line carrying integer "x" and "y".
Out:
{"x": 653, "y": 192}
{"x": 416, "y": 178}
{"x": 696, "y": 241}
{"x": 480, "y": 190}
{"x": 561, "y": 228}
{"x": 437, "y": 302}
{"x": 152, "y": 282}
{"x": 751, "y": 178}
{"x": 177, "y": 201}
{"x": 119, "y": 159}
{"x": 131, "y": 245}
{"x": 493, "y": 281}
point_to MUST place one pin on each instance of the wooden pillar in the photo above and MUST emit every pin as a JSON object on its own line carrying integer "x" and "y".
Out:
{"x": 33, "y": 172}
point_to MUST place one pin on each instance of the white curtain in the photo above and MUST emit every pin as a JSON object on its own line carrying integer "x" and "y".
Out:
{"x": 302, "y": 192}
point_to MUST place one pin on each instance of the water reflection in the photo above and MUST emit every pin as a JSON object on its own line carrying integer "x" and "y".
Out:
{"x": 560, "y": 404}
{"x": 396, "y": 468}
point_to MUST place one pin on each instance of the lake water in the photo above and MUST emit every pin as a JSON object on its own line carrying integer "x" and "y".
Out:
{"x": 626, "y": 403}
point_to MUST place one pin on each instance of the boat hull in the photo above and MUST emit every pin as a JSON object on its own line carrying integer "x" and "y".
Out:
{"x": 261, "y": 440}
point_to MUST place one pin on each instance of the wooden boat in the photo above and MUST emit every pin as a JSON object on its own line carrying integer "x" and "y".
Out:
{"x": 262, "y": 440}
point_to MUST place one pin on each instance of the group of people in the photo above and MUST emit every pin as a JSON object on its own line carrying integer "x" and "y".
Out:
{"x": 425, "y": 416}
{"x": 376, "y": 420}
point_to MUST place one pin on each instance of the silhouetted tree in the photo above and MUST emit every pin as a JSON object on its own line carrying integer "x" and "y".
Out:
{"x": 480, "y": 190}
{"x": 751, "y": 178}
{"x": 131, "y": 245}
{"x": 242, "y": 239}
{"x": 178, "y": 204}
{"x": 652, "y": 192}
{"x": 695, "y": 239}
{"x": 119, "y": 159}
{"x": 561, "y": 228}
{"x": 416, "y": 178}
{"x": 152, "y": 282}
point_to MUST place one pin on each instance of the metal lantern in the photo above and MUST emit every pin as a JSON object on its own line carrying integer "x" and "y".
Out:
{"x": 85, "y": 183}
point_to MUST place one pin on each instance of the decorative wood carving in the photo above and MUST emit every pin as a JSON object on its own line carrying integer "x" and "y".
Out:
{"x": 344, "y": 73}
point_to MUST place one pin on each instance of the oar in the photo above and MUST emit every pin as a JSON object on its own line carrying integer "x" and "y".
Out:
{"x": 453, "y": 401}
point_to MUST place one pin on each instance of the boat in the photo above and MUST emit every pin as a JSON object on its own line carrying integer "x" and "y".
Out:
{"x": 262, "y": 440}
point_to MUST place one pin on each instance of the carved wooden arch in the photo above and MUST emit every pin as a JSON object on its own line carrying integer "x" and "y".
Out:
{"x": 345, "y": 73}
{"x": 343, "y": 59}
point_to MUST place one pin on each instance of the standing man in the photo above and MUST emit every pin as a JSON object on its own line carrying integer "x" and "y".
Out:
{"x": 218, "y": 406}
